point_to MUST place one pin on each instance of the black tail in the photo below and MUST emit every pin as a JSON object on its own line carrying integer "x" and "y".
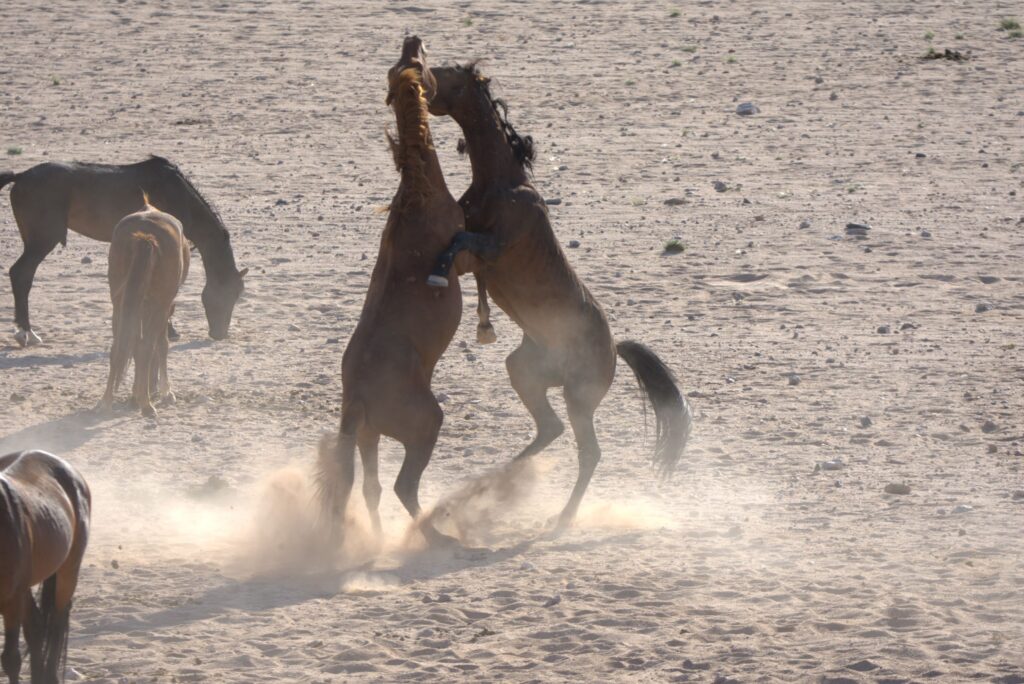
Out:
{"x": 6, "y": 177}
{"x": 671, "y": 411}
{"x": 52, "y": 625}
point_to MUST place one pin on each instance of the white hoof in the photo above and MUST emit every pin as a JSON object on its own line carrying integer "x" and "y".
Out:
{"x": 485, "y": 334}
{"x": 437, "y": 281}
{"x": 27, "y": 338}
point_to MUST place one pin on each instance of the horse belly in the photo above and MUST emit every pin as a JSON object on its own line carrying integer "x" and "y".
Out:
{"x": 90, "y": 220}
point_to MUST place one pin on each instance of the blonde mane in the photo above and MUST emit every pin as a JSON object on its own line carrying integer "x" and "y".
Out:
{"x": 410, "y": 107}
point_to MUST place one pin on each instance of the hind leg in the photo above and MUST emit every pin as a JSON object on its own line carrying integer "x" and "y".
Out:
{"x": 581, "y": 402}
{"x": 14, "y": 615}
{"x": 421, "y": 418}
{"x": 531, "y": 376}
{"x": 106, "y": 404}
{"x": 368, "y": 441}
{"x": 22, "y": 273}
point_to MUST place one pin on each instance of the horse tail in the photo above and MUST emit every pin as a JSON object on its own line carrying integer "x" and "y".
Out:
{"x": 129, "y": 330}
{"x": 672, "y": 413}
{"x": 53, "y": 623}
{"x": 335, "y": 467}
{"x": 7, "y": 177}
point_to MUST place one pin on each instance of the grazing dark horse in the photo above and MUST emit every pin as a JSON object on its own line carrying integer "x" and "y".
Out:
{"x": 44, "y": 529}
{"x": 405, "y": 326}
{"x": 90, "y": 199}
{"x": 566, "y": 339}
{"x": 149, "y": 261}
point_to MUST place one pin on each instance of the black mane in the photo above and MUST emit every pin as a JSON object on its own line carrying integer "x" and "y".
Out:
{"x": 171, "y": 167}
{"x": 522, "y": 146}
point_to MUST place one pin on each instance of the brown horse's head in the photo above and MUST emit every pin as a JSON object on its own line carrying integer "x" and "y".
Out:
{"x": 414, "y": 56}
{"x": 464, "y": 94}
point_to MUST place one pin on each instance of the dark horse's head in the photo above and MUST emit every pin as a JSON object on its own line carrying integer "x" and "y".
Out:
{"x": 219, "y": 299}
{"x": 414, "y": 56}
{"x": 461, "y": 93}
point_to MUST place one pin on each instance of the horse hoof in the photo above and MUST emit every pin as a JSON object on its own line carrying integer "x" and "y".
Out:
{"x": 168, "y": 399}
{"x": 434, "y": 280}
{"x": 27, "y": 338}
{"x": 104, "y": 408}
{"x": 485, "y": 334}
{"x": 148, "y": 411}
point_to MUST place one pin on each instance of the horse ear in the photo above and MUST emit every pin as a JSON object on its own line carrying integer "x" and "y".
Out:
{"x": 241, "y": 274}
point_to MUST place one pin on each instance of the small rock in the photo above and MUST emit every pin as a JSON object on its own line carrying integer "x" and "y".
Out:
{"x": 794, "y": 379}
{"x": 553, "y": 601}
{"x": 834, "y": 464}
{"x": 527, "y": 566}
{"x": 897, "y": 488}
{"x": 86, "y": 260}
{"x": 962, "y": 508}
{"x": 553, "y": 201}
{"x": 988, "y": 427}
{"x": 961, "y": 532}
{"x": 857, "y": 229}
{"x": 17, "y": 398}
{"x": 443, "y": 598}
{"x": 981, "y": 308}
{"x": 441, "y": 397}
{"x": 675, "y": 201}
{"x": 294, "y": 328}
{"x": 280, "y": 203}
{"x": 114, "y": 564}
{"x": 833, "y": 96}
{"x": 920, "y": 155}
{"x": 1018, "y": 495}
{"x": 988, "y": 280}
{"x": 720, "y": 186}
{"x": 865, "y": 421}
{"x": 883, "y": 330}
{"x": 573, "y": 244}
{"x": 863, "y": 666}
{"x": 804, "y": 225}
{"x": 747, "y": 109}
{"x": 333, "y": 340}
{"x": 563, "y": 167}
{"x": 992, "y": 448}
{"x": 926, "y": 234}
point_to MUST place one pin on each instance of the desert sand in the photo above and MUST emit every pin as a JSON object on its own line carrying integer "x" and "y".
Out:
{"x": 895, "y": 358}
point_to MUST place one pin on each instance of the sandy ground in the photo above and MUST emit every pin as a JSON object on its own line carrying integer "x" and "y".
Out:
{"x": 752, "y": 564}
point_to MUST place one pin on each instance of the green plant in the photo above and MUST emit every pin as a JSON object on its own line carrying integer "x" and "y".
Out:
{"x": 730, "y": 60}
{"x": 674, "y": 13}
{"x": 468, "y": 21}
{"x": 928, "y": 36}
{"x": 54, "y": 81}
{"x": 674, "y": 246}
{"x": 631, "y": 83}
{"x": 959, "y": 36}
{"x": 676, "y": 63}
{"x": 14, "y": 151}
{"x": 1009, "y": 24}
{"x": 689, "y": 48}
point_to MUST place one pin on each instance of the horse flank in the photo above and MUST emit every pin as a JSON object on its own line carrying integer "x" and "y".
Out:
{"x": 144, "y": 249}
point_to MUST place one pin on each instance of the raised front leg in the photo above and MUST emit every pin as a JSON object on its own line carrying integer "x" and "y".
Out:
{"x": 484, "y": 330}
{"x": 484, "y": 247}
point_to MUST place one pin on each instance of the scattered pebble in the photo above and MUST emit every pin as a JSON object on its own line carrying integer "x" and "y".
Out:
{"x": 294, "y": 328}
{"x": 857, "y": 229}
{"x": 804, "y": 225}
{"x": 834, "y": 464}
{"x": 747, "y": 109}
{"x": 988, "y": 427}
{"x": 926, "y": 234}
{"x": 280, "y": 202}
{"x": 86, "y": 260}
{"x": 833, "y": 96}
{"x": 865, "y": 421}
{"x": 573, "y": 244}
{"x": 981, "y": 308}
{"x": 920, "y": 155}
{"x": 553, "y": 601}
{"x": 553, "y": 201}
{"x": 962, "y": 508}
{"x": 720, "y": 186}
{"x": 1018, "y": 495}
{"x": 883, "y": 330}
{"x": 17, "y": 398}
{"x": 114, "y": 564}
{"x": 897, "y": 488}
{"x": 675, "y": 201}
{"x": 794, "y": 379}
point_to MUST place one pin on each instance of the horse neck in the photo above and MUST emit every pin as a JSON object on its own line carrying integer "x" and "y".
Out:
{"x": 490, "y": 156}
{"x": 212, "y": 240}
{"x": 414, "y": 153}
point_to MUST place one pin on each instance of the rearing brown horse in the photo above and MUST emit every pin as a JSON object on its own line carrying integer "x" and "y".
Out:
{"x": 566, "y": 339}
{"x": 405, "y": 326}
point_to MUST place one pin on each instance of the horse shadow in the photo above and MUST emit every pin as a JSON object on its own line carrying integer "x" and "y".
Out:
{"x": 8, "y": 360}
{"x": 58, "y": 436}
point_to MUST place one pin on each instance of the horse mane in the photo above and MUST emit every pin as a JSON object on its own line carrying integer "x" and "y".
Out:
{"x": 410, "y": 105}
{"x": 171, "y": 167}
{"x": 521, "y": 146}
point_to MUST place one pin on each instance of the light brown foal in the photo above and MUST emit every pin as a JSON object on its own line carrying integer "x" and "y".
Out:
{"x": 149, "y": 260}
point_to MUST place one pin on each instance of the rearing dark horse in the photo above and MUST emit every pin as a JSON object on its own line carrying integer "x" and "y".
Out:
{"x": 90, "y": 199}
{"x": 566, "y": 339}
